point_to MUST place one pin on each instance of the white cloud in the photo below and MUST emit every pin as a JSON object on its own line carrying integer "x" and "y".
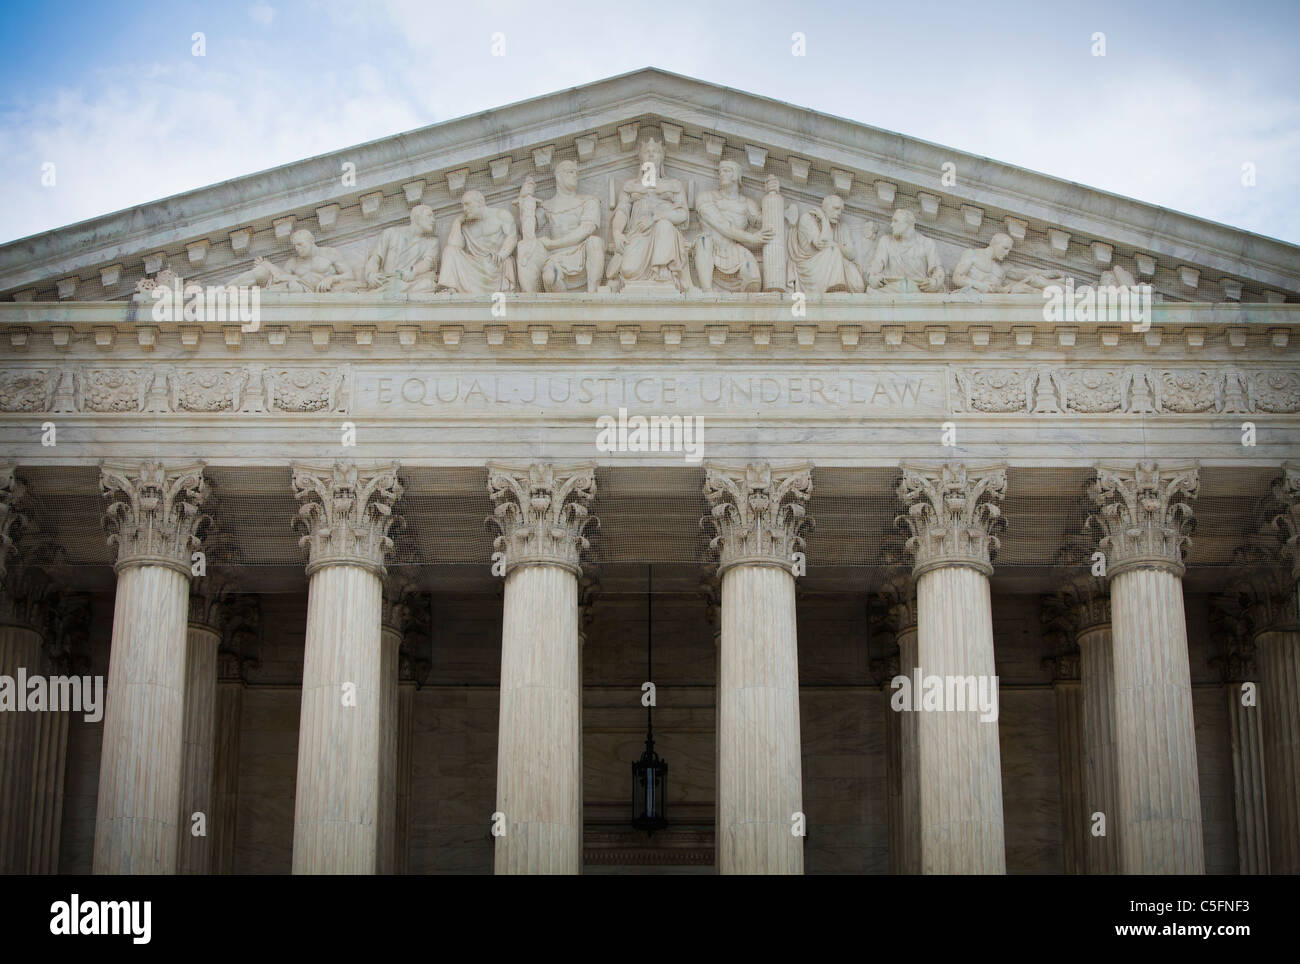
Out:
{"x": 262, "y": 13}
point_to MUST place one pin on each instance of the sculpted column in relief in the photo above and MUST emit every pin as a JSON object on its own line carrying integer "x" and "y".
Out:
{"x": 1143, "y": 513}
{"x": 541, "y": 514}
{"x": 155, "y": 521}
{"x": 346, "y": 514}
{"x": 758, "y": 514}
{"x": 951, "y": 515}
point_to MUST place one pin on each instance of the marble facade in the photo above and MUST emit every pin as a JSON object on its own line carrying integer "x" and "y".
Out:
{"x": 924, "y": 448}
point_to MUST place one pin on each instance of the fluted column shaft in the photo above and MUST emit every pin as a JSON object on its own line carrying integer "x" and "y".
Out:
{"x": 390, "y": 644}
{"x": 1277, "y": 654}
{"x": 336, "y": 810}
{"x": 195, "y": 851}
{"x": 760, "y": 777}
{"x": 1101, "y": 793}
{"x": 140, "y": 764}
{"x": 1155, "y": 752}
{"x": 539, "y": 778}
{"x": 960, "y": 758}
{"x": 49, "y": 766}
{"x": 20, "y": 649}
{"x": 1246, "y": 742}
{"x": 1070, "y": 752}
{"x": 905, "y": 810}
{"x": 225, "y": 774}
{"x": 405, "y": 760}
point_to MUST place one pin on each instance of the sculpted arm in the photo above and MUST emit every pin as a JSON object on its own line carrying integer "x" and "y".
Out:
{"x": 512, "y": 236}
{"x": 961, "y": 274}
{"x": 680, "y": 214}
{"x": 376, "y": 260}
{"x": 619, "y": 222}
{"x": 706, "y": 208}
{"x": 935, "y": 270}
{"x": 426, "y": 261}
{"x": 455, "y": 239}
{"x": 876, "y": 267}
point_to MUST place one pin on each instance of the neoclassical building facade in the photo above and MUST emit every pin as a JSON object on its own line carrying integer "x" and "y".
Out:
{"x": 946, "y": 513}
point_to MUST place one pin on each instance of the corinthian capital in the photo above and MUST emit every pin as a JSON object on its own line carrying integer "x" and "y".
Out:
{"x": 12, "y": 495}
{"x": 1267, "y": 596}
{"x": 541, "y": 512}
{"x": 1085, "y": 602}
{"x": 154, "y": 519}
{"x": 1144, "y": 514}
{"x": 1287, "y": 491}
{"x": 346, "y": 512}
{"x": 758, "y": 512}
{"x": 951, "y": 514}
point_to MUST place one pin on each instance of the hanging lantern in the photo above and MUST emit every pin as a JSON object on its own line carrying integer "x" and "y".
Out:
{"x": 649, "y": 774}
{"x": 649, "y": 789}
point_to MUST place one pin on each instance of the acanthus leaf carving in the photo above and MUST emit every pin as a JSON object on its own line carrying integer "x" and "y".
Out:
{"x": 1144, "y": 514}
{"x": 542, "y": 512}
{"x": 758, "y": 512}
{"x": 154, "y": 518}
{"x": 952, "y": 514}
{"x": 346, "y": 513}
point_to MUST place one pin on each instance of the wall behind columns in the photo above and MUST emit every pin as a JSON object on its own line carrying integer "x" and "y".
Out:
{"x": 1031, "y": 786}
{"x": 85, "y": 740}
{"x": 1213, "y": 752}
{"x": 841, "y": 719}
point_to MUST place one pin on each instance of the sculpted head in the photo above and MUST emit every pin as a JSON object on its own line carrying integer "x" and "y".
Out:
{"x": 728, "y": 173}
{"x": 303, "y": 242}
{"x": 652, "y": 151}
{"x": 772, "y": 185}
{"x": 566, "y": 176}
{"x": 422, "y": 219}
{"x": 473, "y": 205}
{"x": 1000, "y": 245}
{"x": 902, "y": 224}
{"x": 833, "y": 205}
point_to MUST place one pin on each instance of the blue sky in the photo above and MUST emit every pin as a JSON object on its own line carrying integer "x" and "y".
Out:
{"x": 1188, "y": 92}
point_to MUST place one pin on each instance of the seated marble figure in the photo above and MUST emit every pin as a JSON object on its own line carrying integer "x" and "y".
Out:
{"x": 982, "y": 270}
{"x": 313, "y": 268}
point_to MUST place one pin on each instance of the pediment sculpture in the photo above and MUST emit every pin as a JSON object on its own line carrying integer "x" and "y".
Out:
{"x": 744, "y": 245}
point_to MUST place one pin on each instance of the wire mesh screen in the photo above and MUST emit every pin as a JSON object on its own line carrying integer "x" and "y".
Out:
{"x": 647, "y": 515}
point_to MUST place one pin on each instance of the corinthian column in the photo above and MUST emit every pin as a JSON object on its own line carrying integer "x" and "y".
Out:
{"x": 397, "y": 588}
{"x": 202, "y": 640}
{"x": 1245, "y": 739}
{"x": 346, "y": 514}
{"x": 951, "y": 515}
{"x": 1278, "y": 655}
{"x": 1069, "y": 751}
{"x": 1270, "y": 611}
{"x": 1143, "y": 513}
{"x": 66, "y": 648}
{"x": 758, "y": 515}
{"x": 154, "y": 521}
{"x": 541, "y": 511}
{"x": 22, "y": 593}
{"x": 240, "y": 631}
{"x": 905, "y": 807}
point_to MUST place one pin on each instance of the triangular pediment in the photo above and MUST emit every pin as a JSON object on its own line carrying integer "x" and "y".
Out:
{"x": 347, "y": 198}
